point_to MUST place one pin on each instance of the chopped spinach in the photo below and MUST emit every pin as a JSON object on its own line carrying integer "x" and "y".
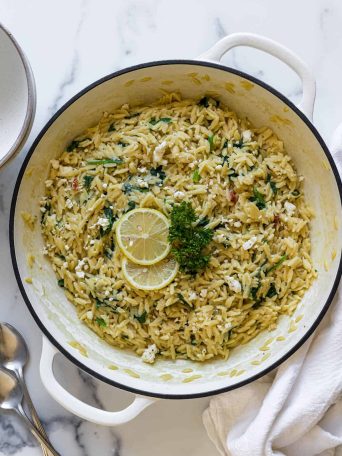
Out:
{"x": 254, "y": 291}
{"x": 158, "y": 171}
{"x": 87, "y": 180}
{"x": 274, "y": 188}
{"x": 111, "y": 127}
{"x": 108, "y": 213}
{"x": 108, "y": 253}
{"x": 203, "y": 221}
{"x": 193, "y": 339}
{"x": 238, "y": 144}
{"x": 211, "y": 141}
{"x": 225, "y": 144}
{"x": 131, "y": 205}
{"x": 73, "y": 145}
{"x": 204, "y": 102}
{"x": 127, "y": 187}
{"x": 141, "y": 318}
{"x": 123, "y": 144}
{"x": 105, "y": 161}
{"x": 196, "y": 177}
{"x": 61, "y": 283}
{"x": 272, "y": 291}
{"x": 103, "y": 304}
{"x": 258, "y": 199}
{"x": 101, "y": 322}
{"x": 296, "y": 193}
{"x": 154, "y": 121}
{"x": 184, "y": 301}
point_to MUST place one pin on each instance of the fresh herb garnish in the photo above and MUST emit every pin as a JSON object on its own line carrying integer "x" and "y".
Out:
{"x": 87, "y": 180}
{"x": 258, "y": 199}
{"x": 196, "y": 177}
{"x": 184, "y": 301}
{"x": 61, "y": 283}
{"x": 108, "y": 213}
{"x": 158, "y": 171}
{"x": 111, "y": 127}
{"x": 101, "y": 322}
{"x": 188, "y": 241}
{"x": 141, "y": 318}
{"x": 154, "y": 121}
{"x": 105, "y": 161}
{"x": 278, "y": 264}
{"x": 272, "y": 291}
{"x": 211, "y": 140}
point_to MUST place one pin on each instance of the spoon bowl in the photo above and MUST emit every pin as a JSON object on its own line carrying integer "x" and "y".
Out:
{"x": 11, "y": 394}
{"x": 13, "y": 348}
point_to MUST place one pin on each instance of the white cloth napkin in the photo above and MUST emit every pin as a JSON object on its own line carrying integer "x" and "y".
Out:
{"x": 297, "y": 411}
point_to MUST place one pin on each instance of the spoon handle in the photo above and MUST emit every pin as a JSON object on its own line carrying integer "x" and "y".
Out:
{"x": 44, "y": 443}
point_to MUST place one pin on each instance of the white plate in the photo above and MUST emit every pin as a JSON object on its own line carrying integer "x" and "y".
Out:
{"x": 17, "y": 97}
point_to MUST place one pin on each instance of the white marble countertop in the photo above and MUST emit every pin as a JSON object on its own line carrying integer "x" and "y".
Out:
{"x": 71, "y": 44}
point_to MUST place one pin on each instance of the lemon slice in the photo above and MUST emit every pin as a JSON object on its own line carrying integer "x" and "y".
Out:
{"x": 142, "y": 236}
{"x": 150, "y": 277}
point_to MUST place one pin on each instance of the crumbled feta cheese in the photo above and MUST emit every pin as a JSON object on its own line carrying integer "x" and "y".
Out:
{"x": 249, "y": 244}
{"x": 142, "y": 170}
{"x": 203, "y": 293}
{"x": 237, "y": 224}
{"x": 233, "y": 284}
{"x": 149, "y": 354}
{"x": 290, "y": 208}
{"x": 220, "y": 238}
{"x": 191, "y": 165}
{"x": 159, "y": 152}
{"x": 65, "y": 264}
{"x": 69, "y": 203}
{"x": 103, "y": 221}
{"x": 80, "y": 274}
{"x": 43, "y": 209}
{"x": 179, "y": 195}
{"x": 218, "y": 167}
{"x": 104, "y": 185}
{"x": 192, "y": 296}
{"x": 141, "y": 183}
{"x": 106, "y": 293}
{"x": 246, "y": 135}
{"x": 92, "y": 242}
{"x": 89, "y": 315}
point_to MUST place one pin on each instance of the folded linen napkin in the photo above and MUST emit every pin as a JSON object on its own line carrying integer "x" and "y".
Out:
{"x": 298, "y": 410}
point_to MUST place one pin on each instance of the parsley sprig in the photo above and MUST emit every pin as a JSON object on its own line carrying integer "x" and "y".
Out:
{"x": 188, "y": 240}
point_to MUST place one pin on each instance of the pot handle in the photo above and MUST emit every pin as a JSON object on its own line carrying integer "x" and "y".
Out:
{"x": 76, "y": 406}
{"x": 279, "y": 51}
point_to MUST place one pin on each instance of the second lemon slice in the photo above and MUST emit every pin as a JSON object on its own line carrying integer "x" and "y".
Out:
{"x": 142, "y": 235}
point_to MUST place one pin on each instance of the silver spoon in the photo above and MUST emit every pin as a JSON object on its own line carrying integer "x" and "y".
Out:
{"x": 14, "y": 356}
{"x": 11, "y": 396}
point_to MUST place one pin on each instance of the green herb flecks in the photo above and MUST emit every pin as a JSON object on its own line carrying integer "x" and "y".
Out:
{"x": 127, "y": 188}
{"x": 272, "y": 291}
{"x": 142, "y": 317}
{"x": 203, "y": 221}
{"x": 158, "y": 171}
{"x": 87, "y": 180}
{"x": 193, "y": 339}
{"x": 296, "y": 193}
{"x": 73, "y": 145}
{"x": 131, "y": 205}
{"x": 204, "y": 102}
{"x": 258, "y": 199}
{"x": 188, "y": 241}
{"x": 154, "y": 121}
{"x": 274, "y": 188}
{"x": 196, "y": 177}
{"x": 61, "y": 283}
{"x": 211, "y": 141}
{"x": 122, "y": 144}
{"x": 238, "y": 144}
{"x": 106, "y": 304}
{"x": 105, "y": 161}
{"x": 111, "y": 127}
{"x": 278, "y": 264}
{"x": 108, "y": 213}
{"x": 100, "y": 322}
{"x": 184, "y": 301}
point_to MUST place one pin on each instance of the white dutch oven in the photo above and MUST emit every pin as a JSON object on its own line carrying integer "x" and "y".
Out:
{"x": 57, "y": 317}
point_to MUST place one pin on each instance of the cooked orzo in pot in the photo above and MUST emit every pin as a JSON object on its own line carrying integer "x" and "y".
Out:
{"x": 239, "y": 228}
